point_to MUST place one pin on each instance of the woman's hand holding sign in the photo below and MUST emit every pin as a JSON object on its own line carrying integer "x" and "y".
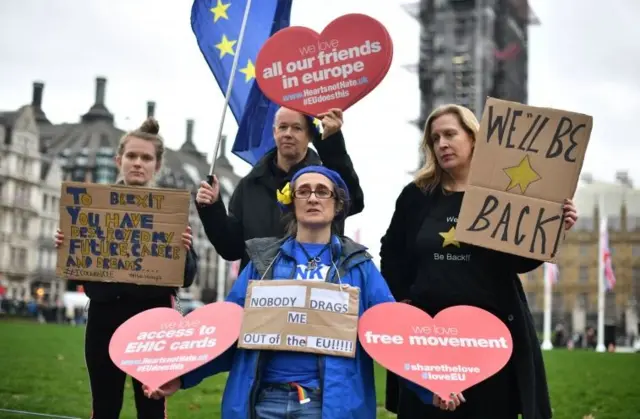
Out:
{"x": 570, "y": 214}
{"x": 164, "y": 390}
{"x": 187, "y": 238}
{"x": 451, "y": 404}
{"x": 58, "y": 238}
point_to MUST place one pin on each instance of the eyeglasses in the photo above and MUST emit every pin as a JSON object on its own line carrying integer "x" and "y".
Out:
{"x": 306, "y": 193}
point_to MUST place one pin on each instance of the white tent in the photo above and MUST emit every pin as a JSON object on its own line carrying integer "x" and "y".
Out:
{"x": 75, "y": 299}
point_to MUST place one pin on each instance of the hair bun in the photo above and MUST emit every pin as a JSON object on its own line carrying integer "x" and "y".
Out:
{"x": 150, "y": 126}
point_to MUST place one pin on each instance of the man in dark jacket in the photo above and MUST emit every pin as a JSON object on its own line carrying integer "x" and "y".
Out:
{"x": 253, "y": 208}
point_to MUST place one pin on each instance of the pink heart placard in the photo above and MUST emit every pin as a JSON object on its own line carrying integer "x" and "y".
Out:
{"x": 458, "y": 348}
{"x": 160, "y": 344}
{"x": 309, "y": 72}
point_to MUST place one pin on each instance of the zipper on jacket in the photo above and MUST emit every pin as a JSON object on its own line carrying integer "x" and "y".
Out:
{"x": 321, "y": 369}
{"x": 255, "y": 387}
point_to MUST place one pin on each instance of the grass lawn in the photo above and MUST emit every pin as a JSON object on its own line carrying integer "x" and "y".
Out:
{"x": 42, "y": 370}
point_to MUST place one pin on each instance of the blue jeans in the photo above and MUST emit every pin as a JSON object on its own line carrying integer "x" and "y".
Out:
{"x": 281, "y": 403}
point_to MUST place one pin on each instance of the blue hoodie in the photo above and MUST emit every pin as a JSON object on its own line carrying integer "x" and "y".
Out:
{"x": 348, "y": 384}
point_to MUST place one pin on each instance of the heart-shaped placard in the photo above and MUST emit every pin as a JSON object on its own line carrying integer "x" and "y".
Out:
{"x": 159, "y": 345}
{"x": 309, "y": 72}
{"x": 460, "y": 347}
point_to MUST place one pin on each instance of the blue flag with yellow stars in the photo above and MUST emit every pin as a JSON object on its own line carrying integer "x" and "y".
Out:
{"x": 216, "y": 25}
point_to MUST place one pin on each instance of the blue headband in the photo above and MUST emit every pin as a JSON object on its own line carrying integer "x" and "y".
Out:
{"x": 285, "y": 196}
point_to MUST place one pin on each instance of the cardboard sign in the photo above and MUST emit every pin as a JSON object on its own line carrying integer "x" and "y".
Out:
{"x": 301, "y": 316}
{"x": 459, "y": 347}
{"x": 116, "y": 233}
{"x": 526, "y": 161}
{"x": 311, "y": 73}
{"x": 159, "y": 345}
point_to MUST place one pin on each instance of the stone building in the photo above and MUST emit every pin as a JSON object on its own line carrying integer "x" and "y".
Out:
{"x": 36, "y": 155}
{"x": 28, "y": 206}
{"x": 575, "y": 295}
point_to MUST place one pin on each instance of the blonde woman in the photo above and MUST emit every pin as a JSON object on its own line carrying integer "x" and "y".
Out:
{"x": 422, "y": 225}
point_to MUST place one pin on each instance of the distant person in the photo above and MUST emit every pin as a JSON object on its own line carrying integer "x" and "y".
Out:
{"x": 591, "y": 338}
{"x": 610, "y": 340}
{"x": 297, "y": 385}
{"x": 139, "y": 158}
{"x": 422, "y": 225}
{"x": 559, "y": 337}
{"x": 253, "y": 210}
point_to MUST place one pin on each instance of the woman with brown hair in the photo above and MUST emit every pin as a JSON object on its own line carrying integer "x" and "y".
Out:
{"x": 279, "y": 384}
{"x": 139, "y": 159}
{"x": 425, "y": 266}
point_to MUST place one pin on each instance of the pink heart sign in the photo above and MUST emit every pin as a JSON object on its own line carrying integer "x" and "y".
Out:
{"x": 159, "y": 345}
{"x": 459, "y": 347}
{"x": 309, "y": 72}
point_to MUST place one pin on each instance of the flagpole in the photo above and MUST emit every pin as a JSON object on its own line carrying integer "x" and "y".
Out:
{"x": 546, "y": 342}
{"x": 227, "y": 96}
{"x": 602, "y": 226}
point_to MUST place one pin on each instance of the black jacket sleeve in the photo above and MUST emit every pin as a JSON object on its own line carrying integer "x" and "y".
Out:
{"x": 333, "y": 153}
{"x": 517, "y": 264}
{"x": 395, "y": 265}
{"x": 190, "y": 267}
{"x": 224, "y": 231}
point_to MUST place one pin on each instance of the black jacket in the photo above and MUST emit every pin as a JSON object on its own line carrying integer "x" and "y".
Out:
{"x": 253, "y": 208}
{"x": 399, "y": 270}
{"x": 110, "y": 291}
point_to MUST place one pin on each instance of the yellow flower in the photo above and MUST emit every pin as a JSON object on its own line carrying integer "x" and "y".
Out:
{"x": 284, "y": 195}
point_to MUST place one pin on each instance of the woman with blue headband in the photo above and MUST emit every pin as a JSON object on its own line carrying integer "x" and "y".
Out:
{"x": 272, "y": 384}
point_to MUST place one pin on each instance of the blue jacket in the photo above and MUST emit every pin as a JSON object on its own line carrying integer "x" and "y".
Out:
{"x": 348, "y": 384}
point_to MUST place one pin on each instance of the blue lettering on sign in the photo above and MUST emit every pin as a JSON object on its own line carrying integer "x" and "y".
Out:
{"x": 76, "y": 192}
{"x": 115, "y": 240}
{"x": 78, "y": 217}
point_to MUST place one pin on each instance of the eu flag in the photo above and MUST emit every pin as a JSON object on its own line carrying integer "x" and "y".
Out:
{"x": 216, "y": 25}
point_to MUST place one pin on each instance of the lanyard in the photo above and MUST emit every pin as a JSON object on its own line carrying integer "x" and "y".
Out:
{"x": 312, "y": 262}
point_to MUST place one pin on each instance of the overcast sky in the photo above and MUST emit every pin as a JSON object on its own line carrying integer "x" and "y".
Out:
{"x": 582, "y": 58}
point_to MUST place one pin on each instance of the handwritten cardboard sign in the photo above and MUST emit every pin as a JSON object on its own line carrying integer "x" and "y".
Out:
{"x": 115, "y": 233}
{"x": 301, "y": 316}
{"x": 526, "y": 161}
{"x": 159, "y": 345}
{"x": 458, "y": 348}
{"x": 311, "y": 73}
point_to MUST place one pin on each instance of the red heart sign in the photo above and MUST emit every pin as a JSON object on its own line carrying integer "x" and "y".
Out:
{"x": 159, "y": 345}
{"x": 311, "y": 73}
{"x": 460, "y": 347}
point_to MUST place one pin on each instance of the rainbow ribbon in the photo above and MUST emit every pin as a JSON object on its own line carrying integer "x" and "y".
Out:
{"x": 302, "y": 394}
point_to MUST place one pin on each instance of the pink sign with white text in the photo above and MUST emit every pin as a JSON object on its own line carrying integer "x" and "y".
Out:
{"x": 160, "y": 344}
{"x": 459, "y": 347}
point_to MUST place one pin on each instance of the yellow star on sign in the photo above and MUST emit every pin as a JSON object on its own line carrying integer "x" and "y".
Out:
{"x": 220, "y": 11}
{"x": 225, "y": 46}
{"x": 249, "y": 71}
{"x": 521, "y": 175}
{"x": 449, "y": 238}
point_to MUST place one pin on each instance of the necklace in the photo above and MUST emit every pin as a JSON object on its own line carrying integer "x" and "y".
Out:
{"x": 312, "y": 262}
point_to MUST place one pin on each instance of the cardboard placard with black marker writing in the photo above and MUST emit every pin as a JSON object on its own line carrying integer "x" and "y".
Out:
{"x": 301, "y": 316}
{"x": 118, "y": 233}
{"x": 526, "y": 161}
